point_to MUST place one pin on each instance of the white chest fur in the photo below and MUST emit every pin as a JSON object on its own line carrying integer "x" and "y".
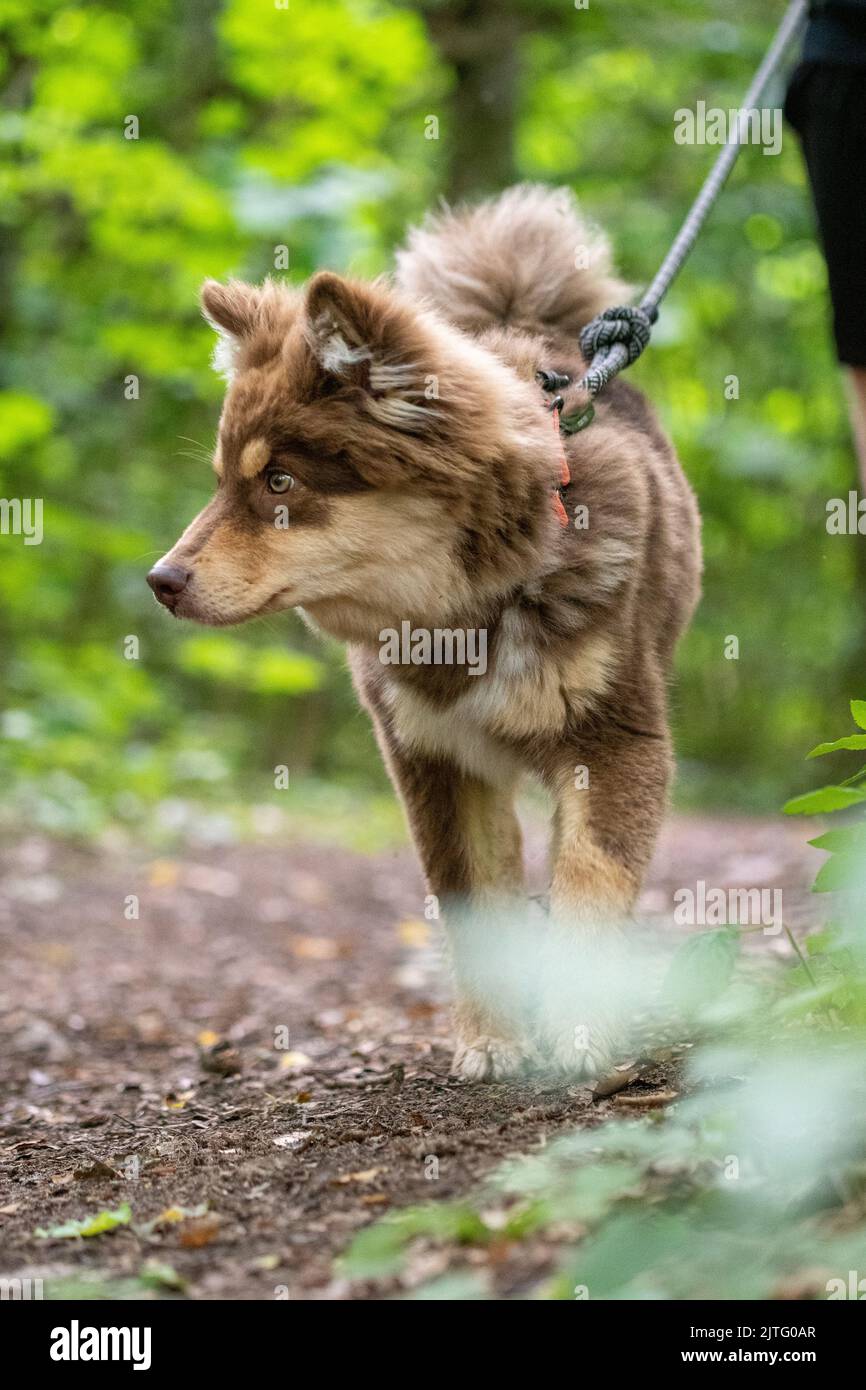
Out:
{"x": 523, "y": 694}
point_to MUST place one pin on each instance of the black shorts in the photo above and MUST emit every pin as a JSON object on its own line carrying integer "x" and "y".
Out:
{"x": 826, "y": 105}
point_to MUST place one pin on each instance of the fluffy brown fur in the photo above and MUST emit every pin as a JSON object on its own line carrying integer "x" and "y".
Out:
{"x": 424, "y": 462}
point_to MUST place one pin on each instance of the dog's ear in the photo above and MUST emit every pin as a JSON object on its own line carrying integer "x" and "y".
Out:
{"x": 341, "y": 323}
{"x": 233, "y": 310}
{"x": 252, "y": 320}
{"x": 230, "y": 308}
{"x": 359, "y": 332}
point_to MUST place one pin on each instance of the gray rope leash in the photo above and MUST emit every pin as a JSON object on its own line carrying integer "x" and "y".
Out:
{"x": 619, "y": 335}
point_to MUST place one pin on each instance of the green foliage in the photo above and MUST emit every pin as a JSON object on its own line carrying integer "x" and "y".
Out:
{"x": 701, "y": 969}
{"x": 380, "y": 1249}
{"x": 265, "y": 671}
{"x": 262, "y": 127}
{"x": 846, "y": 867}
{"x": 824, "y": 799}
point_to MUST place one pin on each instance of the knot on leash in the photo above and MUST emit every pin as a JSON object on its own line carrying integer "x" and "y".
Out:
{"x": 609, "y": 342}
{"x": 627, "y": 325}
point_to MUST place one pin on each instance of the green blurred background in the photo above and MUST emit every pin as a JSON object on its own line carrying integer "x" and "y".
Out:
{"x": 305, "y": 128}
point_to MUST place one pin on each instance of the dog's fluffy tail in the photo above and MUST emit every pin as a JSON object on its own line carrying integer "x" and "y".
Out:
{"x": 528, "y": 259}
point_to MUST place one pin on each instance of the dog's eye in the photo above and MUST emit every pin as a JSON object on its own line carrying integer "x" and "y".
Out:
{"x": 278, "y": 481}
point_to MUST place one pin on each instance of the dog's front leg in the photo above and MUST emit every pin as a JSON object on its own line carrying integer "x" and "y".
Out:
{"x": 468, "y": 840}
{"x": 610, "y": 793}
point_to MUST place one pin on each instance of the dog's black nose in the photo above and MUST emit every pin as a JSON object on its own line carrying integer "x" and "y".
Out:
{"x": 168, "y": 582}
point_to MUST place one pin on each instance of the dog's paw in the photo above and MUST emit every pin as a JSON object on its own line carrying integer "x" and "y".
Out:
{"x": 486, "y": 1058}
{"x": 584, "y": 1051}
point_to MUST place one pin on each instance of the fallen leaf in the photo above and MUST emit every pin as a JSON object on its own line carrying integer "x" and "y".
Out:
{"x": 195, "y": 1234}
{"x": 75, "y": 1288}
{"x": 421, "y": 1011}
{"x": 367, "y": 1175}
{"x": 294, "y": 1061}
{"x": 413, "y": 932}
{"x": 97, "y": 1169}
{"x": 221, "y": 1060}
{"x": 314, "y": 947}
{"x": 176, "y": 1100}
{"x": 155, "y": 1275}
{"x": 171, "y": 1215}
{"x": 90, "y": 1226}
{"x": 160, "y": 1170}
{"x": 617, "y": 1081}
{"x": 651, "y": 1099}
{"x": 293, "y": 1139}
{"x": 163, "y": 873}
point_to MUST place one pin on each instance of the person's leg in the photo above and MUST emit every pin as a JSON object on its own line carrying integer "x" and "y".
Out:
{"x": 827, "y": 107}
{"x": 856, "y": 383}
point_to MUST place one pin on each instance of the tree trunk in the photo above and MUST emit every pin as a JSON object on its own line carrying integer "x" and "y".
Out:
{"x": 479, "y": 41}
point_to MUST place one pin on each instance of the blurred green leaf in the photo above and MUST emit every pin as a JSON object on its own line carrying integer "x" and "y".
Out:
{"x": 23, "y": 421}
{"x": 824, "y": 799}
{"x": 850, "y": 742}
{"x": 267, "y": 670}
{"x": 701, "y": 969}
{"x": 847, "y": 839}
{"x": 90, "y": 1226}
{"x": 379, "y": 1250}
{"x": 842, "y": 871}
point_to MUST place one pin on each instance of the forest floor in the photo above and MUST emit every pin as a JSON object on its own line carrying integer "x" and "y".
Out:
{"x": 258, "y": 1065}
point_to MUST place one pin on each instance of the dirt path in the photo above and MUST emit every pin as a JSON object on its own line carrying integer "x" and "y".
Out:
{"x": 266, "y": 1045}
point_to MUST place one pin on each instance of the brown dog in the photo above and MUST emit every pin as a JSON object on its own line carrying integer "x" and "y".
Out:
{"x": 387, "y": 463}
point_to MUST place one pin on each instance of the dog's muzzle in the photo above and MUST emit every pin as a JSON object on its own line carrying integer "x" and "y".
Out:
{"x": 168, "y": 583}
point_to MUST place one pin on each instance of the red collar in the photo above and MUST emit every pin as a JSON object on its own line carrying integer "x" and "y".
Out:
{"x": 564, "y": 473}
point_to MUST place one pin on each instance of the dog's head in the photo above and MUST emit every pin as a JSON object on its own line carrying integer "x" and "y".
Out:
{"x": 372, "y": 464}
